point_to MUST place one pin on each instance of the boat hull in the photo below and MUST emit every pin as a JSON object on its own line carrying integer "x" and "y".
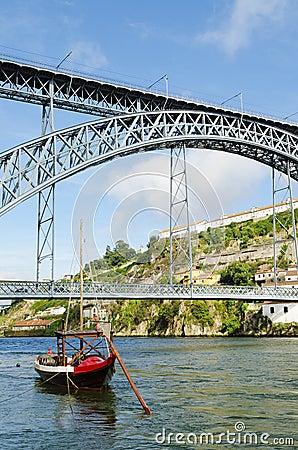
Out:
{"x": 92, "y": 376}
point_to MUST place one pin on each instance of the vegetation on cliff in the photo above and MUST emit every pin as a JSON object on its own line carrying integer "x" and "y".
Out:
{"x": 194, "y": 318}
{"x": 124, "y": 264}
{"x": 164, "y": 318}
{"x": 181, "y": 317}
{"x": 239, "y": 274}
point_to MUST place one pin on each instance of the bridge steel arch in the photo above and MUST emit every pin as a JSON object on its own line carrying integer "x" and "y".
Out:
{"x": 37, "y": 164}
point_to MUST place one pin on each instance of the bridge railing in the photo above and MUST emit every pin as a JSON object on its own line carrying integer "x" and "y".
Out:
{"x": 221, "y": 291}
{"x": 44, "y": 289}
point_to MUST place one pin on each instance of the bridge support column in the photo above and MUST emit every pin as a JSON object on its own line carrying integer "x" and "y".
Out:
{"x": 287, "y": 190}
{"x": 45, "y": 229}
{"x": 180, "y": 245}
{"x": 46, "y": 201}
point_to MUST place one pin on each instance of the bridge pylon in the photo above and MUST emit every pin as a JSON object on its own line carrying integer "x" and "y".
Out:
{"x": 180, "y": 245}
{"x": 285, "y": 190}
{"x": 46, "y": 199}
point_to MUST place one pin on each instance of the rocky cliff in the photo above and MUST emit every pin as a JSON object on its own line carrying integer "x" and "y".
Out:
{"x": 194, "y": 318}
{"x": 166, "y": 318}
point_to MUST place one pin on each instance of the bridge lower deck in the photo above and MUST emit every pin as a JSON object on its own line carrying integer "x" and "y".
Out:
{"x": 50, "y": 290}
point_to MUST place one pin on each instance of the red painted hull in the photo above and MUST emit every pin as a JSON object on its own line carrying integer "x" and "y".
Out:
{"x": 92, "y": 373}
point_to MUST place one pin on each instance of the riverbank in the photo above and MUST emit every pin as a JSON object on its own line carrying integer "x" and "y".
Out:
{"x": 185, "y": 318}
{"x": 164, "y": 318}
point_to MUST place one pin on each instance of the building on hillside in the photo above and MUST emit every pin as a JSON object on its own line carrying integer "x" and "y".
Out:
{"x": 67, "y": 277}
{"x": 98, "y": 310}
{"x": 255, "y": 214}
{"x": 199, "y": 278}
{"x": 281, "y": 312}
{"x": 180, "y": 231}
{"x": 263, "y": 277}
{"x": 292, "y": 274}
{"x": 55, "y": 311}
{"x": 284, "y": 277}
{"x": 32, "y": 324}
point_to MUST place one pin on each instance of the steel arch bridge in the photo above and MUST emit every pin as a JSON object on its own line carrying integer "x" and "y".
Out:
{"x": 136, "y": 120}
{"x": 133, "y": 120}
{"x": 33, "y": 166}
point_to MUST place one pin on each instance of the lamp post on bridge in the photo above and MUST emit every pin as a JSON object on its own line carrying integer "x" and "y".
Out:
{"x": 234, "y": 96}
{"x": 164, "y": 77}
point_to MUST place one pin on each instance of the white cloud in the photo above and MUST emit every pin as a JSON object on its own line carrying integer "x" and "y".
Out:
{"x": 246, "y": 17}
{"x": 234, "y": 178}
{"x": 89, "y": 54}
{"x": 138, "y": 187}
{"x": 217, "y": 180}
{"x": 142, "y": 29}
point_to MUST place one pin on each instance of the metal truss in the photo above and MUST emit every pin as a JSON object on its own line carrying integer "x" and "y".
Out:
{"x": 180, "y": 246}
{"x": 31, "y": 167}
{"x": 31, "y": 289}
{"x": 286, "y": 191}
{"x": 75, "y": 92}
{"x": 46, "y": 203}
{"x": 45, "y": 229}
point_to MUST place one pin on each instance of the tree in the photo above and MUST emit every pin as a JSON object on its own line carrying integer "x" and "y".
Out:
{"x": 237, "y": 274}
{"x": 282, "y": 260}
{"x": 97, "y": 264}
{"x": 201, "y": 312}
{"x": 114, "y": 257}
{"x": 119, "y": 255}
{"x": 124, "y": 250}
{"x": 86, "y": 277}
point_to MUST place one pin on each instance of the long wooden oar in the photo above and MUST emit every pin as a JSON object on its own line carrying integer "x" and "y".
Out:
{"x": 140, "y": 398}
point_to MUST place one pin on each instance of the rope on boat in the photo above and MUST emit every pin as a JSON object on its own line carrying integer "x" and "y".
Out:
{"x": 27, "y": 390}
{"x": 68, "y": 379}
{"x": 72, "y": 382}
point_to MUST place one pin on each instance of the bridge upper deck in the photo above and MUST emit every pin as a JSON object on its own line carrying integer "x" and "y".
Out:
{"x": 84, "y": 94}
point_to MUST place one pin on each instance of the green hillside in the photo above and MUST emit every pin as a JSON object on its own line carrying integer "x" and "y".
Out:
{"x": 239, "y": 250}
{"x": 124, "y": 264}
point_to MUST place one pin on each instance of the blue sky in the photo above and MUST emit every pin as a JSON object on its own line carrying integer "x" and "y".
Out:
{"x": 210, "y": 50}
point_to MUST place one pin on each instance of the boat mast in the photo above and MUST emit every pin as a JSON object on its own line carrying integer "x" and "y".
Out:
{"x": 81, "y": 275}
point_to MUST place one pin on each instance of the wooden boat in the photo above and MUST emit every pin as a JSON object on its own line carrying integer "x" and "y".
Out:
{"x": 84, "y": 360}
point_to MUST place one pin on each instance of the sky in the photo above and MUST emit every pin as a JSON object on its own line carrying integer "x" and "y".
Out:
{"x": 211, "y": 50}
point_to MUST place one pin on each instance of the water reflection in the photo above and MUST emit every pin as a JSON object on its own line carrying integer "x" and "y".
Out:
{"x": 84, "y": 407}
{"x": 192, "y": 386}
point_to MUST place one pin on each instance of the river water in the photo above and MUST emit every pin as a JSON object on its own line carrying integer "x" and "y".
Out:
{"x": 204, "y": 394}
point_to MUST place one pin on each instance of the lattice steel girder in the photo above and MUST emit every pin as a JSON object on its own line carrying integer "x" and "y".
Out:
{"x": 31, "y": 167}
{"x": 180, "y": 247}
{"x": 31, "y": 289}
{"x": 76, "y": 92}
{"x": 46, "y": 206}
